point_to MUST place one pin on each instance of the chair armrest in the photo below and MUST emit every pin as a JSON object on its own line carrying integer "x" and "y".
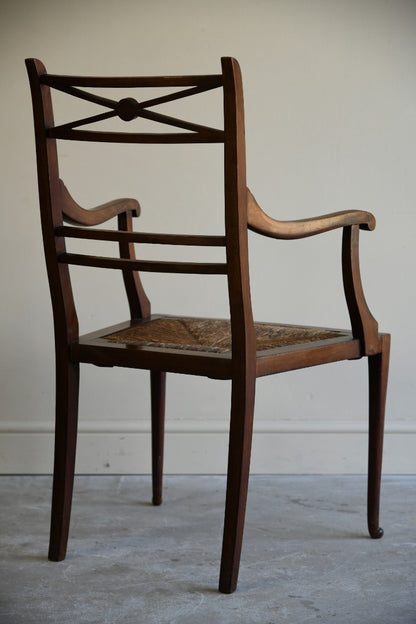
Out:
{"x": 260, "y": 222}
{"x": 76, "y": 215}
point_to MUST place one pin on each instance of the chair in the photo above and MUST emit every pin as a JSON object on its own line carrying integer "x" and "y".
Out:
{"x": 236, "y": 349}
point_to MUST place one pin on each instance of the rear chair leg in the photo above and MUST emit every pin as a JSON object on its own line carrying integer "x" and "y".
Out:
{"x": 378, "y": 366}
{"x": 158, "y": 394}
{"x": 67, "y": 392}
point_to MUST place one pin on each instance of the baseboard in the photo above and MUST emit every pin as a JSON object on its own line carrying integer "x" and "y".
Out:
{"x": 192, "y": 447}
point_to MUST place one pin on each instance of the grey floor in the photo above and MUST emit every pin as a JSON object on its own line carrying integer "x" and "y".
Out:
{"x": 306, "y": 556}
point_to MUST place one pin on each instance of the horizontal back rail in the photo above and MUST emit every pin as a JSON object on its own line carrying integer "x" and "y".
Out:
{"x": 55, "y": 80}
{"x": 214, "y": 136}
{"x": 141, "y": 237}
{"x": 203, "y": 268}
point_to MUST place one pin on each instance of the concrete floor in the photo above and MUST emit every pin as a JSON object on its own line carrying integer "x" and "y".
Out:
{"x": 306, "y": 557}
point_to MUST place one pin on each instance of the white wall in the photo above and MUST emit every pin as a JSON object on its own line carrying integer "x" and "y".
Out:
{"x": 330, "y": 88}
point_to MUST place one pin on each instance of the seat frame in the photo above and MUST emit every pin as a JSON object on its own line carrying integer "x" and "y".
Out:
{"x": 243, "y": 363}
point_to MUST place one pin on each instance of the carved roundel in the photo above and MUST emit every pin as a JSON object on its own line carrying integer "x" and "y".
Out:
{"x": 127, "y": 109}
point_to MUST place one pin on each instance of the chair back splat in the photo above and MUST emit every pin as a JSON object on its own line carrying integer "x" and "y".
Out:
{"x": 236, "y": 348}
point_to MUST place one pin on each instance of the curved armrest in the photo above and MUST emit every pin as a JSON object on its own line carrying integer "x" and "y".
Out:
{"x": 260, "y": 222}
{"x": 74, "y": 214}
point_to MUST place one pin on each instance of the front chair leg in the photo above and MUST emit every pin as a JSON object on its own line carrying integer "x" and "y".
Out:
{"x": 241, "y": 430}
{"x": 67, "y": 392}
{"x": 158, "y": 394}
{"x": 378, "y": 366}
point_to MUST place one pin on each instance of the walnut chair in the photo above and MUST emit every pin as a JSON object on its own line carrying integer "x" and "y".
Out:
{"x": 236, "y": 349}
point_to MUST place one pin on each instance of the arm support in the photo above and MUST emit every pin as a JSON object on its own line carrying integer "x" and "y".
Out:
{"x": 364, "y": 325}
{"x": 138, "y": 302}
{"x": 74, "y": 214}
{"x": 260, "y": 222}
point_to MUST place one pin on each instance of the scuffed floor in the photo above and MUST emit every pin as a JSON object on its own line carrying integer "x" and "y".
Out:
{"x": 306, "y": 555}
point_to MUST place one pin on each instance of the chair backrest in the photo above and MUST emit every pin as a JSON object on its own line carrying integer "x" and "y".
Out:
{"x": 57, "y": 205}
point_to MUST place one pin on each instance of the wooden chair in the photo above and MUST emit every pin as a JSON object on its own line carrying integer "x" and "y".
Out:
{"x": 237, "y": 349}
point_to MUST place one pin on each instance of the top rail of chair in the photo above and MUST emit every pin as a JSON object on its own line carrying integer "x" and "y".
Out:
{"x": 55, "y": 80}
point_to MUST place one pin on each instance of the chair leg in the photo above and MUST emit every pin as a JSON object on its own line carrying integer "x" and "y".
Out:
{"x": 158, "y": 394}
{"x": 241, "y": 429}
{"x": 378, "y": 366}
{"x": 67, "y": 392}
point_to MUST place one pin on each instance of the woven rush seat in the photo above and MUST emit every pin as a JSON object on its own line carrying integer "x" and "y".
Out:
{"x": 213, "y": 335}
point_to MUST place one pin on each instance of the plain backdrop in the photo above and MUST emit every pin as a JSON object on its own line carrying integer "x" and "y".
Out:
{"x": 330, "y": 97}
